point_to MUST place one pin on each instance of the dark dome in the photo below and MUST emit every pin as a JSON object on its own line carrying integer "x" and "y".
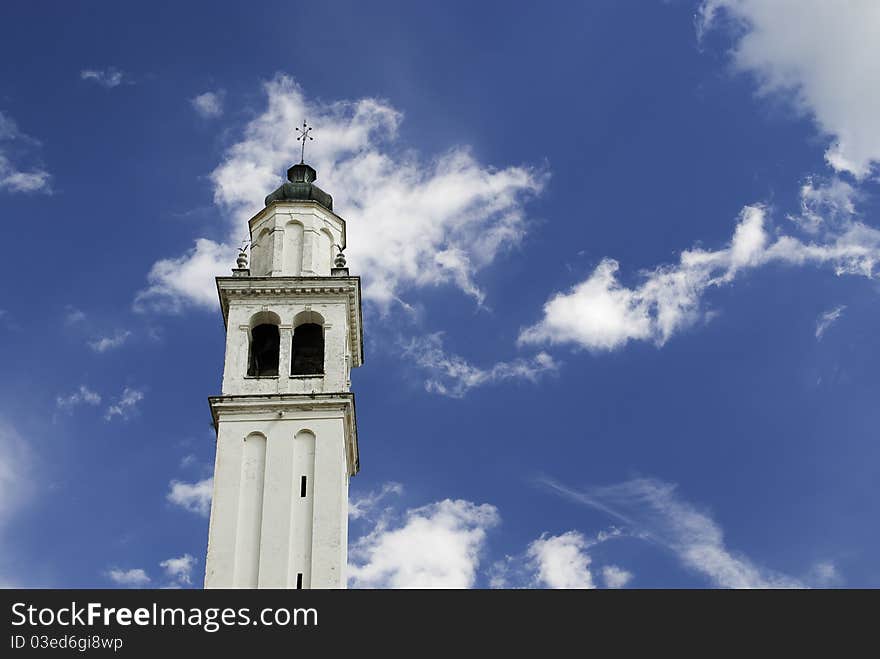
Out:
{"x": 301, "y": 188}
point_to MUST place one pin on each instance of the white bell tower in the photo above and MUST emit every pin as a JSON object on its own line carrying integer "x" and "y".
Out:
{"x": 286, "y": 431}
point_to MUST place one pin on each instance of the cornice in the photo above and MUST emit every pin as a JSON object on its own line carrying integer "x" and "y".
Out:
{"x": 229, "y": 288}
{"x": 278, "y": 404}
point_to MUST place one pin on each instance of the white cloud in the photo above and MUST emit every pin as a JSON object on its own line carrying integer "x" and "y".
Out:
{"x": 412, "y": 221}
{"x": 454, "y": 376}
{"x": 73, "y": 316}
{"x": 106, "y": 343}
{"x": 827, "y": 319}
{"x": 824, "y": 574}
{"x": 14, "y": 144}
{"x": 179, "y": 569}
{"x": 133, "y": 578}
{"x": 552, "y": 561}
{"x": 194, "y": 497}
{"x": 125, "y": 405}
{"x": 435, "y": 546}
{"x": 363, "y": 506}
{"x": 615, "y": 577}
{"x": 561, "y": 561}
{"x": 824, "y": 56}
{"x": 654, "y": 511}
{"x": 175, "y": 282}
{"x": 208, "y": 105}
{"x": 109, "y": 77}
{"x": 82, "y": 396}
{"x": 16, "y": 489}
{"x": 15, "y": 465}
{"x": 600, "y": 313}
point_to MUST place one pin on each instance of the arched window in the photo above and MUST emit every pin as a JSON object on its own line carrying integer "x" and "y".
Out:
{"x": 265, "y": 343}
{"x": 308, "y": 350}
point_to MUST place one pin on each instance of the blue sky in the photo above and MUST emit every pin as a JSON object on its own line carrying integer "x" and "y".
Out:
{"x": 620, "y": 266}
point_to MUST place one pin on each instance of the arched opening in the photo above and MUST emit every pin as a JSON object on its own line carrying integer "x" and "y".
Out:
{"x": 260, "y": 254}
{"x": 265, "y": 344}
{"x": 308, "y": 350}
{"x": 293, "y": 249}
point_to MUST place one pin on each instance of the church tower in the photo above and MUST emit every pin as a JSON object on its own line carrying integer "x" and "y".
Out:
{"x": 286, "y": 431}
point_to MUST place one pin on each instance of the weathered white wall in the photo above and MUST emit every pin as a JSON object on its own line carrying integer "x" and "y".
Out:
{"x": 337, "y": 353}
{"x": 295, "y": 240}
{"x": 262, "y": 533}
{"x": 272, "y": 431}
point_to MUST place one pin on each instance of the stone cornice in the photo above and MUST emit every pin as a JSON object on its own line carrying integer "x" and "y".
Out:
{"x": 275, "y": 405}
{"x": 229, "y": 288}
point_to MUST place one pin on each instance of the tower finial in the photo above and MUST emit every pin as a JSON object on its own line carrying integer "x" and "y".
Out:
{"x": 303, "y": 136}
{"x": 241, "y": 263}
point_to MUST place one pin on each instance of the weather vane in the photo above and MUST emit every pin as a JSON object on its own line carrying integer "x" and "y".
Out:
{"x": 303, "y": 136}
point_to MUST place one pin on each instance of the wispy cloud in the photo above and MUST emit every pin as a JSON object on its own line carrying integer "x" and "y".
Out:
{"x": 600, "y": 313}
{"x": 17, "y": 478}
{"x": 131, "y": 578}
{"x": 106, "y": 343}
{"x": 194, "y": 497}
{"x": 82, "y": 396}
{"x": 108, "y": 77}
{"x": 73, "y": 316}
{"x": 827, "y": 319}
{"x": 363, "y": 506}
{"x": 125, "y": 405}
{"x": 14, "y": 147}
{"x": 179, "y": 569}
{"x": 451, "y": 375}
{"x": 653, "y": 510}
{"x": 209, "y": 105}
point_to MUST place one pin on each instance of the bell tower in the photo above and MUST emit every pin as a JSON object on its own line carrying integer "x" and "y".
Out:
{"x": 286, "y": 430}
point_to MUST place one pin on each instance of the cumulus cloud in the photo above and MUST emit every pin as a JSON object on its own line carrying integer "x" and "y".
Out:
{"x": 179, "y": 569}
{"x": 601, "y": 313}
{"x": 827, "y": 319}
{"x": 208, "y": 105}
{"x": 133, "y": 578}
{"x": 653, "y": 510}
{"x": 561, "y": 561}
{"x": 125, "y": 405}
{"x": 443, "y": 218}
{"x": 823, "y": 56}
{"x": 194, "y": 497}
{"x": 553, "y": 561}
{"x": 615, "y": 577}
{"x": 454, "y": 376}
{"x": 436, "y": 546}
{"x": 106, "y": 343}
{"x": 82, "y": 396}
{"x": 109, "y": 77}
{"x": 14, "y": 145}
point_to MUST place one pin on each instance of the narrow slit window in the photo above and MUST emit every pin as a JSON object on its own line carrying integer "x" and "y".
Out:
{"x": 302, "y": 486}
{"x": 299, "y": 580}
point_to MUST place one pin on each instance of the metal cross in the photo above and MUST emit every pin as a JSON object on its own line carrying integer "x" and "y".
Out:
{"x": 303, "y": 136}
